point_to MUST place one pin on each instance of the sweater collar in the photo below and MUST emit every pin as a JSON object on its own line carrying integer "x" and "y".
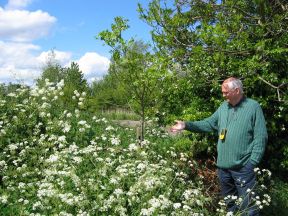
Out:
{"x": 238, "y": 104}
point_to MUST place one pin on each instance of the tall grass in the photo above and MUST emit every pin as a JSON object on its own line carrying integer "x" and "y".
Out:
{"x": 119, "y": 114}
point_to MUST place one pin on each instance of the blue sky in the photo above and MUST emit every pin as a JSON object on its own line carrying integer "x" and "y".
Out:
{"x": 30, "y": 29}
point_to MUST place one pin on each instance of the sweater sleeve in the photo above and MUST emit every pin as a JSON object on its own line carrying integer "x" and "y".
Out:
{"x": 260, "y": 136}
{"x": 206, "y": 125}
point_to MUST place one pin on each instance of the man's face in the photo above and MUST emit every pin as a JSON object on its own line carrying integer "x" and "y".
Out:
{"x": 230, "y": 94}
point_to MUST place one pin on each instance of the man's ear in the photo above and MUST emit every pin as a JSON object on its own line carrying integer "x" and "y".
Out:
{"x": 238, "y": 90}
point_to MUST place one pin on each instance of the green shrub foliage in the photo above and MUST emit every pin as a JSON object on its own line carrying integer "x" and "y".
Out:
{"x": 208, "y": 41}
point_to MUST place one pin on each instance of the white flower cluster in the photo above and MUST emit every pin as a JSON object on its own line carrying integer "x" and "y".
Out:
{"x": 4, "y": 199}
{"x": 49, "y": 90}
{"x": 71, "y": 199}
{"x": 193, "y": 197}
{"x": 80, "y": 97}
{"x": 266, "y": 172}
{"x": 115, "y": 141}
{"x": 2, "y": 131}
{"x": 3, "y": 166}
{"x": 133, "y": 147}
{"x": 83, "y": 125}
{"x": 160, "y": 203}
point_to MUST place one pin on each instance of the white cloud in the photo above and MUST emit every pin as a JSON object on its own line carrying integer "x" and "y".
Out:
{"x": 62, "y": 58}
{"x": 17, "y": 62}
{"x": 19, "y": 54}
{"x": 21, "y": 25}
{"x": 21, "y": 60}
{"x": 93, "y": 65}
{"x": 18, "y": 75}
{"x": 17, "y": 4}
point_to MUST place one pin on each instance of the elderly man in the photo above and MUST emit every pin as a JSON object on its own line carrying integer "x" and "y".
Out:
{"x": 242, "y": 132}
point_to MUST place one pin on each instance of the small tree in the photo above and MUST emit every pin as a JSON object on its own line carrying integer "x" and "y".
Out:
{"x": 134, "y": 67}
{"x": 140, "y": 74}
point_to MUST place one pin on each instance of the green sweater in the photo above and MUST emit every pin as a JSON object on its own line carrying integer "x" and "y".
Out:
{"x": 246, "y": 135}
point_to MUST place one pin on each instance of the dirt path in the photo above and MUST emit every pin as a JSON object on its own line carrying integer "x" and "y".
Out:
{"x": 128, "y": 123}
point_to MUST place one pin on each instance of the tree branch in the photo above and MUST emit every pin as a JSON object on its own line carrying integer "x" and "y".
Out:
{"x": 275, "y": 87}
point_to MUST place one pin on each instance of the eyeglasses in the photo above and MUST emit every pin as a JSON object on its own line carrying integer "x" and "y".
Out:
{"x": 228, "y": 92}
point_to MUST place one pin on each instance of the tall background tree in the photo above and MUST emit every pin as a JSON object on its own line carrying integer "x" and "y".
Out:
{"x": 52, "y": 70}
{"x": 211, "y": 40}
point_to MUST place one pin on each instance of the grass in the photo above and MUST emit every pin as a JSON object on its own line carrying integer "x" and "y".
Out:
{"x": 119, "y": 114}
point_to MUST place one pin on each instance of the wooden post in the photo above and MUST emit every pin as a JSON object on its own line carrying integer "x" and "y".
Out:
{"x": 139, "y": 134}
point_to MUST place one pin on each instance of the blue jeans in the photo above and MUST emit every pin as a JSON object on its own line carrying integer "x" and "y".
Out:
{"x": 236, "y": 182}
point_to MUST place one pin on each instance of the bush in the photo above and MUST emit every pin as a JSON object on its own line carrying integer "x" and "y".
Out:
{"x": 279, "y": 197}
{"x": 60, "y": 161}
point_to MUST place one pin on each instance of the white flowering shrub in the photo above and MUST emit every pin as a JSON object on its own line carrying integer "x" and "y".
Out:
{"x": 57, "y": 159}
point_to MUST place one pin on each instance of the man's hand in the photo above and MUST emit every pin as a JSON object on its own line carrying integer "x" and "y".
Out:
{"x": 180, "y": 125}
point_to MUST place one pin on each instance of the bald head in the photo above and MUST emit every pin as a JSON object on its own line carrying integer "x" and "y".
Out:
{"x": 233, "y": 83}
{"x": 232, "y": 90}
